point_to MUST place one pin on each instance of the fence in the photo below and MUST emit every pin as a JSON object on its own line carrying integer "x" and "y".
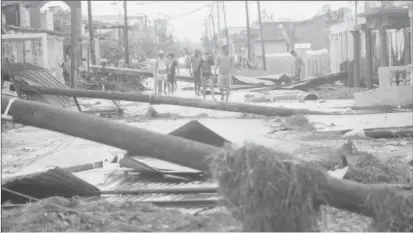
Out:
{"x": 39, "y": 49}
{"x": 316, "y": 63}
{"x": 341, "y": 50}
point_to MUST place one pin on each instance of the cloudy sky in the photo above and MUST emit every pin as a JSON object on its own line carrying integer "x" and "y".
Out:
{"x": 189, "y": 23}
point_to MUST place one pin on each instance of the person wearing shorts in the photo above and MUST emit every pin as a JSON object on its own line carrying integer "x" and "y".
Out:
{"x": 206, "y": 79}
{"x": 225, "y": 64}
{"x": 195, "y": 71}
{"x": 161, "y": 71}
{"x": 172, "y": 67}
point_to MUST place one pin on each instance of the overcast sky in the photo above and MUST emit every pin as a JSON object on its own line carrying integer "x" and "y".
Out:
{"x": 192, "y": 26}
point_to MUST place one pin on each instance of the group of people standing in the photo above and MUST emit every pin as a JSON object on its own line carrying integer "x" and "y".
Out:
{"x": 165, "y": 71}
{"x": 203, "y": 68}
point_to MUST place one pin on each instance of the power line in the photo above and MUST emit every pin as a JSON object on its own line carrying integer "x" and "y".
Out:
{"x": 191, "y": 12}
{"x": 158, "y": 2}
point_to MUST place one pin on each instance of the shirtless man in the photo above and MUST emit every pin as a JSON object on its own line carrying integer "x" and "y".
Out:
{"x": 298, "y": 65}
{"x": 195, "y": 70}
{"x": 206, "y": 78}
{"x": 225, "y": 64}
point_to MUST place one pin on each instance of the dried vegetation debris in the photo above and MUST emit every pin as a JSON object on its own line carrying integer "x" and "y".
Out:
{"x": 285, "y": 189}
{"x": 60, "y": 214}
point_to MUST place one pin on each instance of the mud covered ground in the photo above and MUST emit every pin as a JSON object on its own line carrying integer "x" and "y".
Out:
{"x": 28, "y": 149}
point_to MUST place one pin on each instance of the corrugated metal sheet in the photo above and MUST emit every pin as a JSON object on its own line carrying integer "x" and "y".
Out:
{"x": 54, "y": 182}
{"x": 37, "y": 76}
{"x": 196, "y": 131}
{"x": 137, "y": 182}
{"x": 193, "y": 130}
{"x": 171, "y": 200}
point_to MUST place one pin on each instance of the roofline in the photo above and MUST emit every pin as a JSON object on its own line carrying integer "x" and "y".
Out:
{"x": 385, "y": 11}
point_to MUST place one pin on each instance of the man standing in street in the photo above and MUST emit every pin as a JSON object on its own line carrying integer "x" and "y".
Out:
{"x": 195, "y": 71}
{"x": 298, "y": 65}
{"x": 66, "y": 69}
{"x": 225, "y": 64}
{"x": 207, "y": 64}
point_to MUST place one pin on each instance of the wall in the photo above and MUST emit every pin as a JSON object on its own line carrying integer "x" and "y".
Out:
{"x": 271, "y": 47}
{"x": 46, "y": 20}
{"x": 314, "y": 31}
{"x": 24, "y": 16}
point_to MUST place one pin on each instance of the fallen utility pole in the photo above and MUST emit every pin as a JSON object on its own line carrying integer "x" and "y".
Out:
{"x": 172, "y": 100}
{"x": 138, "y": 141}
{"x": 132, "y": 72}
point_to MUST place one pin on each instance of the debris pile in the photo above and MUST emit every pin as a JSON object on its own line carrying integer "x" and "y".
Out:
{"x": 74, "y": 215}
{"x": 263, "y": 192}
{"x": 288, "y": 193}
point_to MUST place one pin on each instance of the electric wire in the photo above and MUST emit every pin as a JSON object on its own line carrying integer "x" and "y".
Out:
{"x": 191, "y": 12}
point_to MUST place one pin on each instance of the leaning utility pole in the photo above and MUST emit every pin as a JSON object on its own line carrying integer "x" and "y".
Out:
{"x": 206, "y": 28}
{"x": 213, "y": 28}
{"x": 248, "y": 31}
{"x": 91, "y": 37}
{"x": 225, "y": 22}
{"x": 146, "y": 23}
{"x": 126, "y": 42}
{"x": 264, "y": 62}
{"x": 219, "y": 26}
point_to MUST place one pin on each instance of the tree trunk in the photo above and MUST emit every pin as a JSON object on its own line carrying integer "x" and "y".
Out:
{"x": 170, "y": 100}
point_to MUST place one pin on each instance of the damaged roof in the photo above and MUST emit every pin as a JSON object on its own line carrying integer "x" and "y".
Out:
{"x": 33, "y": 75}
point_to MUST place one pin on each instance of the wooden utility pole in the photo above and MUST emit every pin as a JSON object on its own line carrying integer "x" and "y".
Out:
{"x": 225, "y": 22}
{"x": 206, "y": 28}
{"x": 146, "y": 23}
{"x": 264, "y": 62}
{"x": 126, "y": 41}
{"x": 213, "y": 28}
{"x": 248, "y": 31}
{"x": 91, "y": 37}
{"x": 219, "y": 26}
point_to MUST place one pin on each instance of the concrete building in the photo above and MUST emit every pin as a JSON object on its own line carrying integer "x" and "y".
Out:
{"x": 46, "y": 20}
